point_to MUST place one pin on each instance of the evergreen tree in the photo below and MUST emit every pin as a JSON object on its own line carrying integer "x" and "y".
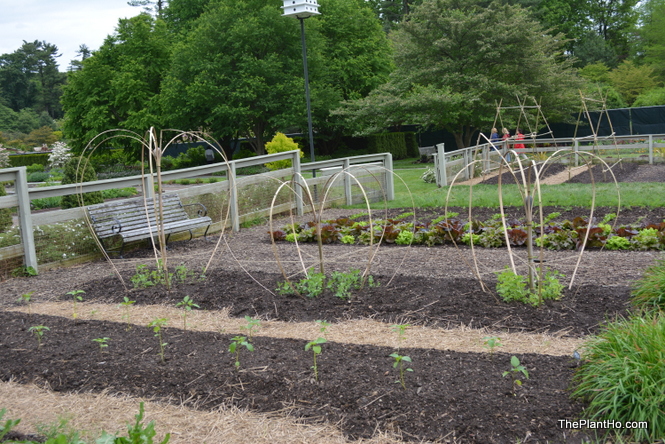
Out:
{"x": 75, "y": 173}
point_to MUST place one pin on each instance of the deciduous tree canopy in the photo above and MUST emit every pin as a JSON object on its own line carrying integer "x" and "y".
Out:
{"x": 453, "y": 69}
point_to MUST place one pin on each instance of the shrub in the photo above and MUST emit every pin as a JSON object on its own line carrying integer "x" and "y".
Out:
{"x": 279, "y": 144}
{"x": 392, "y": 143}
{"x": 85, "y": 173}
{"x": 649, "y": 291}
{"x": 622, "y": 375}
{"x": 60, "y": 154}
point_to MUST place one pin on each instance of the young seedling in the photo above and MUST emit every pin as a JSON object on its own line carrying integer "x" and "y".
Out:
{"x": 315, "y": 346}
{"x": 25, "y": 298}
{"x": 236, "y": 343}
{"x": 187, "y": 303}
{"x": 39, "y": 331}
{"x": 157, "y": 326}
{"x": 103, "y": 343}
{"x": 126, "y": 304}
{"x": 251, "y": 325}
{"x": 400, "y": 329}
{"x": 399, "y": 364}
{"x": 514, "y": 372}
{"x": 75, "y": 294}
{"x": 323, "y": 327}
{"x": 491, "y": 342}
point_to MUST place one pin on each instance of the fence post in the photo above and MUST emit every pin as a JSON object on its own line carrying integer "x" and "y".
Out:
{"x": 347, "y": 181}
{"x": 650, "y": 149}
{"x": 25, "y": 218}
{"x": 576, "y": 148}
{"x": 441, "y": 164}
{"x": 467, "y": 166}
{"x": 298, "y": 182}
{"x": 390, "y": 180}
{"x": 233, "y": 196}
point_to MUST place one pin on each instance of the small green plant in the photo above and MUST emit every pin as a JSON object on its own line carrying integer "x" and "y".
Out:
{"x": 348, "y": 239}
{"x": 8, "y": 425}
{"x": 157, "y": 325}
{"x": 513, "y": 287}
{"x": 405, "y": 237}
{"x": 251, "y": 325}
{"x": 311, "y": 286}
{"x": 491, "y": 342}
{"x": 187, "y": 303}
{"x": 26, "y": 299}
{"x": 39, "y": 331}
{"x": 617, "y": 243}
{"x": 237, "y": 343}
{"x": 127, "y": 304}
{"x": 323, "y": 327}
{"x": 516, "y": 369}
{"x": 400, "y": 329}
{"x": 137, "y": 434}
{"x": 102, "y": 342}
{"x": 76, "y": 297}
{"x": 399, "y": 364}
{"x": 315, "y": 346}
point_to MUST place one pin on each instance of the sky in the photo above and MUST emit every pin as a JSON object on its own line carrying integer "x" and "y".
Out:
{"x": 66, "y": 24}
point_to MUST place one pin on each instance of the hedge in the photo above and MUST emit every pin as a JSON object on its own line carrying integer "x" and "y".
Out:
{"x": 18, "y": 160}
{"x": 393, "y": 143}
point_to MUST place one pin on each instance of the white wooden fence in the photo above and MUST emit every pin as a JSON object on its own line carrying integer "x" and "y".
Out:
{"x": 448, "y": 164}
{"x": 27, "y": 220}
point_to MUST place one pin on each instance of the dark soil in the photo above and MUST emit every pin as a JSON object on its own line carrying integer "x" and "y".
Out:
{"x": 449, "y": 394}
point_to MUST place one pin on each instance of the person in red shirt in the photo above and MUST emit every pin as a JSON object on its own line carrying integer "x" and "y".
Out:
{"x": 519, "y": 136}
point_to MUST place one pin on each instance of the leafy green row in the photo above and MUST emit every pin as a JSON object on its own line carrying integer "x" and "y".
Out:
{"x": 403, "y": 230}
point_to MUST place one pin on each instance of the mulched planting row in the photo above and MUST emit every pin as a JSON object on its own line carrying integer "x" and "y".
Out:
{"x": 433, "y": 302}
{"x": 449, "y": 394}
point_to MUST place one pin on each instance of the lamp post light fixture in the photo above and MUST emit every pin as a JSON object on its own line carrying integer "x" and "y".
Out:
{"x": 301, "y": 9}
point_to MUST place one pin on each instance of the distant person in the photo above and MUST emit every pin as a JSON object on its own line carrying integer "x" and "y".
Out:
{"x": 519, "y": 136}
{"x": 504, "y": 138}
{"x": 494, "y": 139}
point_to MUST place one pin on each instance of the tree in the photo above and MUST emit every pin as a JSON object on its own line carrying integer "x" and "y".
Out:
{"x": 653, "y": 97}
{"x": 631, "y": 80}
{"x": 452, "y": 68}
{"x": 79, "y": 170}
{"x": 150, "y": 6}
{"x": 119, "y": 84}
{"x": 652, "y": 35}
{"x": 246, "y": 79}
{"x": 614, "y": 21}
{"x": 29, "y": 78}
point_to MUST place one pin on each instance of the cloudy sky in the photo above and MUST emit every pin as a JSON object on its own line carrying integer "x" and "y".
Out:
{"x": 64, "y": 23}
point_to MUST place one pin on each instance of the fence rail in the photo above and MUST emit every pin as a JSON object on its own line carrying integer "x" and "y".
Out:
{"x": 448, "y": 164}
{"x": 356, "y": 165}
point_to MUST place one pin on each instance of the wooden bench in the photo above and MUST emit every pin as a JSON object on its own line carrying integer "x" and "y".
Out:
{"x": 427, "y": 151}
{"x": 127, "y": 220}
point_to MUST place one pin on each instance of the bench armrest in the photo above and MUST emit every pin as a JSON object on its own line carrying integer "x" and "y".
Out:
{"x": 115, "y": 228}
{"x": 202, "y": 212}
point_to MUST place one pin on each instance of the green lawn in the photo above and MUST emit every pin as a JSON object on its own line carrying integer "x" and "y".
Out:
{"x": 410, "y": 191}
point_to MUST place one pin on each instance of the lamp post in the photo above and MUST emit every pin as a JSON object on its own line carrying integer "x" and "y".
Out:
{"x": 301, "y": 9}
